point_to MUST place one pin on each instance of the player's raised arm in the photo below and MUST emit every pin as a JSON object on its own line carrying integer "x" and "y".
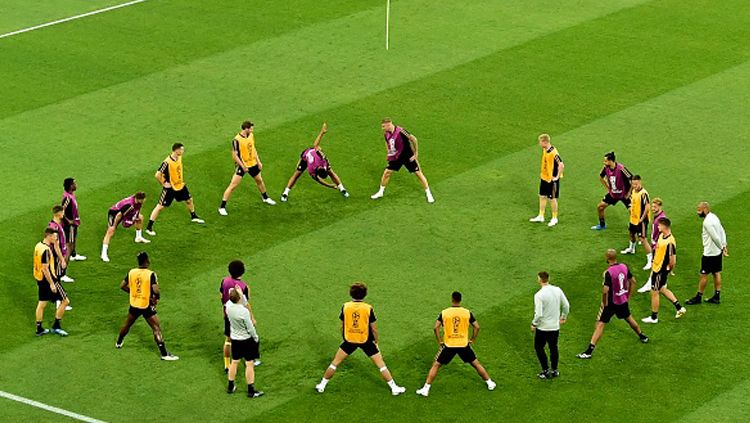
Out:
{"x": 319, "y": 138}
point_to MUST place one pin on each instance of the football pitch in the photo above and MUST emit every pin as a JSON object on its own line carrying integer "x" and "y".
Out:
{"x": 663, "y": 83}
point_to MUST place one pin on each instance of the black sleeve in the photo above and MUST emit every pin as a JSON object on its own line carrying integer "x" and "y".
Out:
{"x": 602, "y": 173}
{"x": 440, "y": 318}
{"x": 341, "y": 315}
{"x": 608, "y": 279}
{"x": 153, "y": 279}
{"x": 471, "y": 318}
{"x": 45, "y": 257}
{"x": 124, "y": 209}
{"x": 630, "y": 275}
{"x": 558, "y": 159}
{"x": 236, "y": 146}
{"x": 221, "y": 286}
{"x": 127, "y": 277}
{"x": 373, "y": 319}
{"x": 405, "y": 134}
{"x": 246, "y": 291}
{"x": 163, "y": 168}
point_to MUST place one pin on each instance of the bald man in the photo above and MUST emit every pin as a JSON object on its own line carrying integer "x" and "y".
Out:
{"x": 714, "y": 249}
{"x": 616, "y": 289}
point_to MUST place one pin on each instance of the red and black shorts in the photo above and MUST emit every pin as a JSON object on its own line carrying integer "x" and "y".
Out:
{"x": 446, "y": 354}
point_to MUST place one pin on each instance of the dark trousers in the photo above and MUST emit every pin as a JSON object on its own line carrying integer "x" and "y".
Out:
{"x": 542, "y": 338}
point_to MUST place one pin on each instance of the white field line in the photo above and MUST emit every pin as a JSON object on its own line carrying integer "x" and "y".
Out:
{"x": 60, "y": 411}
{"x": 72, "y": 18}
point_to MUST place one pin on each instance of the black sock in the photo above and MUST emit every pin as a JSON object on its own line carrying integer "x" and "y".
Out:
{"x": 120, "y": 338}
{"x": 699, "y": 295}
{"x": 56, "y": 325}
{"x": 642, "y": 335}
{"x": 250, "y": 389}
{"x": 264, "y": 195}
{"x": 590, "y": 349}
{"x": 677, "y": 305}
{"x": 601, "y": 222}
{"x": 162, "y": 349}
{"x": 654, "y": 315}
{"x": 193, "y": 215}
{"x": 39, "y": 327}
{"x": 150, "y": 226}
{"x": 717, "y": 293}
{"x": 230, "y": 384}
{"x": 223, "y": 203}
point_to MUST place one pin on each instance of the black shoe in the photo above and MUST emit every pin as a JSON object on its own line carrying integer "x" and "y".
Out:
{"x": 544, "y": 374}
{"x": 714, "y": 300}
{"x": 232, "y": 389}
{"x": 42, "y": 332}
{"x": 255, "y": 394}
{"x": 553, "y": 374}
{"x": 693, "y": 301}
{"x": 644, "y": 339}
{"x": 226, "y": 370}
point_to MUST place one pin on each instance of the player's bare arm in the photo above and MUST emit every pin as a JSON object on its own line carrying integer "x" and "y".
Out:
{"x": 319, "y": 138}
{"x": 163, "y": 182}
{"x": 125, "y": 286}
{"x": 237, "y": 159}
{"x": 605, "y": 182}
{"x": 324, "y": 183}
{"x": 605, "y": 296}
{"x": 436, "y": 329}
{"x": 560, "y": 169}
{"x": 475, "y": 333}
{"x": 414, "y": 146}
{"x": 374, "y": 329}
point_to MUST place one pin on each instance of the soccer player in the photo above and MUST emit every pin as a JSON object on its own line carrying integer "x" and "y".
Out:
{"x": 61, "y": 246}
{"x": 551, "y": 309}
{"x": 128, "y": 212}
{"x": 244, "y": 340}
{"x": 665, "y": 258}
{"x": 658, "y": 214}
{"x": 246, "y": 161}
{"x": 360, "y": 330}
{"x": 71, "y": 219}
{"x": 618, "y": 285}
{"x": 402, "y": 150}
{"x": 714, "y": 249}
{"x": 616, "y": 179}
{"x": 171, "y": 178}
{"x": 455, "y": 321}
{"x": 141, "y": 285}
{"x": 236, "y": 270}
{"x": 640, "y": 213}
{"x": 47, "y": 283}
{"x": 549, "y": 186}
{"x": 316, "y": 163}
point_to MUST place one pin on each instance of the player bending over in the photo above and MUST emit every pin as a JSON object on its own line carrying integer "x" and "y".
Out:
{"x": 128, "y": 212}
{"x": 616, "y": 179}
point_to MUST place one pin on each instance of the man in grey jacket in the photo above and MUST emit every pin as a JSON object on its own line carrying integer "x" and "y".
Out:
{"x": 551, "y": 309}
{"x": 244, "y": 341}
{"x": 714, "y": 249}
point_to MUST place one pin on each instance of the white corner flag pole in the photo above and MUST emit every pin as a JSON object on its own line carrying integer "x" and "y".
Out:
{"x": 387, "y": 23}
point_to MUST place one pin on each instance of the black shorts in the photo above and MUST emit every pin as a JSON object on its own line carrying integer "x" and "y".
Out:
{"x": 168, "y": 195}
{"x": 146, "y": 313}
{"x": 247, "y": 349}
{"x": 253, "y": 171}
{"x": 640, "y": 230}
{"x": 659, "y": 279}
{"x": 227, "y": 327}
{"x": 622, "y": 311}
{"x": 611, "y": 201}
{"x": 550, "y": 190}
{"x": 404, "y": 160}
{"x": 445, "y": 354}
{"x": 711, "y": 264}
{"x": 368, "y": 348}
{"x": 46, "y": 294}
{"x": 71, "y": 233}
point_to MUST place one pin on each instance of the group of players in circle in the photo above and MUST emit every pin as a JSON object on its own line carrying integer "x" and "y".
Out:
{"x": 358, "y": 321}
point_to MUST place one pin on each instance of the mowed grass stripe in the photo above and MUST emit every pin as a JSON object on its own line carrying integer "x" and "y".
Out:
{"x": 19, "y": 14}
{"x": 203, "y": 101}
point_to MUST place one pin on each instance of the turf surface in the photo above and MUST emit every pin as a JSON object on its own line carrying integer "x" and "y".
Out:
{"x": 664, "y": 83}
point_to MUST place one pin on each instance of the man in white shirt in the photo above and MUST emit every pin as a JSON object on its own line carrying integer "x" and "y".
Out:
{"x": 714, "y": 249}
{"x": 551, "y": 309}
{"x": 244, "y": 341}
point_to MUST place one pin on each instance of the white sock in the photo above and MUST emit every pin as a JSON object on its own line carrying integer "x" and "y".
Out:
{"x": 428, "y": 192}
{"x": 138, "y": 233}
{"x": 392, "y": 384}
{"x": 323, "y": 382}
{"x": 632, "y": 246}
{"x": 381, "y": 190}
{"x": 488, "y": 382}
{"x": 341, "y": 187}
{"x": 105, "y": 247}
{"x": 426, "y": 386}
{"x": 286, "y": 191}
{"x": 649, "y": 257}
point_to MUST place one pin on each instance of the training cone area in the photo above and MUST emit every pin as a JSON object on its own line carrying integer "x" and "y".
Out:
{"x": 374, "y": 211}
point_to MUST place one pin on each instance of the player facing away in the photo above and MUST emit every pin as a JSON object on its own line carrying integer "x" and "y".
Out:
{"x": 71, "y": 219}
{"x": 61, "y": 246}
{"x": 143, "y": 288}
{"x": 47, "y": 283}
{"x": 236, "y": 270}
{"x": 171, "y": 177}
{"x": 360, "y": 330}
{"x": 455, "y": 321}
{"x": 658, "y": 213}
{"x": 665, "y": 258}
{"x": 616, "y": 179}
{"x": 402, "y": 151}
{"x": 551, "y": 309}
{"x": 640, "y": 214}
{"x": 128, "y": 212}
{"x": 714, "y": 249}
{"x": 317, "y": 165}
{"x": 246, "y": 161}
{"x": 245, "y": 345}
{"x": 549, "y": 185}
{"x": 616, "y": 289}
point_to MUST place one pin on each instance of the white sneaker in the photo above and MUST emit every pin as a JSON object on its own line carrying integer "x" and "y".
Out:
{"x": 67, "y": 279}
{"x": 151, "y": 232}
{"x": 197, "y": 220}
{"x": 257, "y": 363}
{"x": 647, "y": 266}
{"x": 398, "y": 390}
{"x": 269, "y": 201}
{"x": 491, "y": 385}
{"x": 223, "y": 211}
{"x": 430, "y": 199}
{"x": 649, "y": 320}
{"x": 627, "y": 251}
{"x": 78, "y": 257}
{"x": 681, "y": 312}
{"x": 105, "y": 258}
{"x": 320, "y": 388}
{"x": 170, "y": 357}
{"x": 142, "y": 240}
{"x": 118, "y": 346}
{"x": 345, "y": 193}
{"x": 284, "y": 197}
{"x": 538, "y": 219}
{"x": 423, "y": 392}
{"x": 646, "y": 287}
{"x": 68, "y": 308}
{"x": 552, "y": 222}
{"x": 377, "y": 195}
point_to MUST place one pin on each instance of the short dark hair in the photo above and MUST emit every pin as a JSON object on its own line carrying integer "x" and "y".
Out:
{"x": 140, "y": 195}
{"x": 544, "y": 276}
{"x": 49, "y": 231}
{"x": 236, "y": 269}
{"x": 666, "y": 222}
{"x": 358, "y": 291}
{"x": 321, "y": 173}
{"x": 57, "y": 209}
{"x": 142, "y": 258}
{"x": 176, "y": 146}
{"x": 67, "y": 183}
{"x": 610, "y": 156}
{"x": 637, "y": 177}
{"x": 386, "y": 120}
{"x": 456, "y": 296}
{"x": 247, "y": 124}
{"x": 235, "y": 295}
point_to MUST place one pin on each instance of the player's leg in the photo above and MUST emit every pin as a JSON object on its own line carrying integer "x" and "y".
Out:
{"x": 290, "y": 185}
{"x": 63, "y": 302}
{"x": 262, "y": 188}
{"x": 227, "y": 353}
{"x": 716, "y": 298}
{"x": 542, "y": 209}
{"x": 554, "y": 352}
{"x": 654, "y": 317}
{"x": 600, "y": 208}
{"x": 377, "y": 359}
{"x": 482, "y": 372}
{"x": 233, "y": 183}
{"x": 383, "y": 183}
{"x": 540, "y": 341}
{"x": 231, "y": 374}
{"x": 637, "y": 329}
{"x": 336, "y": 180}
{"x": 604, "y": 317}
{"x": 553, "y": 206}
{"x": 111, "y": 228}
{"x": 702, "y": 282}
{"x": 138, "y": 223}
{"x": 125, "y": 329}
{"x": 679, "y": 309}
{"x": 155, "y": 324}
{"x": 331, "y": 370}
{"x": 39, "y": 315}
{"x": 414, "y": 168}
{"x": 154, "y": 214}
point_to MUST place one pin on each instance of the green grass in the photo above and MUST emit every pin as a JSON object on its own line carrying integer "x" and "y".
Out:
{"x": 664, "y": 83}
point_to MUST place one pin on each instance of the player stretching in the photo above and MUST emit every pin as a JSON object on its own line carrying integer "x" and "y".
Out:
{"x": 128, "y": 212}
{"x": 658, "y": 215}
{"x": 549, "y": 186}
{"x": 618, "y": 285}
{"x": 71, "y": 219}
{"x": 47, "y": 284}
{"x": 246, "y": 161}
{"x": 616, "y": 179}
{"x": 640, "y": 213}
{"x": 236, "y": 270}
{"x": 455, "y": 321}
{"x": 360, "y": 330}
{"x": 665, "y": 258}
{"x": 316, "y": 163}
{"x": 144, "y": 292}
{"x": 402, "y": 150}
{"x": 170, "y": 176}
